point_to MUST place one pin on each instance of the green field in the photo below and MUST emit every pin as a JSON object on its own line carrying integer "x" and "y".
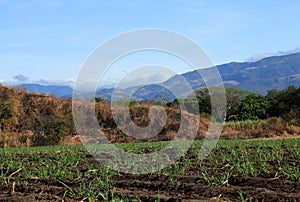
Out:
{"x": 235, "y": 170}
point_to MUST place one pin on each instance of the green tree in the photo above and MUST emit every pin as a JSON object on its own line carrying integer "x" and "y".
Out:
{"x": 284, "y": 103}
{"x": 174, "y": 103}
{"x": 253, "y": 107}
{"x": 204, "y": 104}
{"x": 99, "y": 99}
{"x": 200, "y": 105}
{"x": 233, "y": 99}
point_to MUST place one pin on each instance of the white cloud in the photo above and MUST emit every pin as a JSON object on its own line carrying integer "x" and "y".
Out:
{"x": 21, "y": 78}
{"x": 17, "y": 80}
{"x": 86, "y": 85}
{"x": 145, "y": 75}
{"x": 56, "y": 82}
{"x": 278, "y": 53}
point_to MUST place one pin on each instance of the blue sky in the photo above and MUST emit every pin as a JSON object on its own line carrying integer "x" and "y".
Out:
{"x": 51, "y": 39}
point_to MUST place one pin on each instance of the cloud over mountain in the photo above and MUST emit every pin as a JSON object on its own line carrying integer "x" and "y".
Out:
{"x": 21, "y": 78}
{"x": 258, "y": 57}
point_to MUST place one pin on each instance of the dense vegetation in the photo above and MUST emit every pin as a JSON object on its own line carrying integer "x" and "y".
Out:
{"x": 244, "y": 105}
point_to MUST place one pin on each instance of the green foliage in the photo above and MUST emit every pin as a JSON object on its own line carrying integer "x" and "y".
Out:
{"x": 124, "y": 102}
{"x": 204, "y": 104}
{"x": 99, "y": 99}
{"x": 174, "y": 103}
{"x": 233, "y": 99}
{"x": 253, "y": 107}
{"x": 6, "y": 113}
{"x": 80, "y": 178}
{"x": 243, "y": 105}
{"x": 52, "y": 129}
{"x": 284, "y": 103}
{"x": 198, "y": 106}
{"x": 132, "y": 103}
{"x": 248, "y": 123}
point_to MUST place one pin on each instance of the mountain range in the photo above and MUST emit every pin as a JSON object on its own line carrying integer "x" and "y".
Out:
{"x": 56, "y": 90}
{"x": 275, "y": 72}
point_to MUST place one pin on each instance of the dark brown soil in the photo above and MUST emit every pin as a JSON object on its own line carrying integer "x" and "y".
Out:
{"x": 149, "y": 188}
{"x": 146, "y": 188}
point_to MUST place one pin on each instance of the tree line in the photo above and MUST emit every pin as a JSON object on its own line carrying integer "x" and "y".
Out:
{"x": 244, "y": 105}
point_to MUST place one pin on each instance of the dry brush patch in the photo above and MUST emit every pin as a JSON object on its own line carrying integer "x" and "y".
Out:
{"x": 31, "y": 119}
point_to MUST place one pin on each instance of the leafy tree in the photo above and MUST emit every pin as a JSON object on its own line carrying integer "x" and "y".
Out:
{"x": 233, "y": 99}
{"x": 253, "y": 107}
{"x": 99, "y": 99}
{"x": 204, "y": 104}
{"x": 200, "y": 105}
{"x": 284, "y": 103}
{"x": 174, "y": 103}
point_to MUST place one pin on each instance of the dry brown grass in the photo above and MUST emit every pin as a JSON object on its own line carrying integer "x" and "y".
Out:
{"x": 32, "y": 114}
{"x": 16, "y": 140}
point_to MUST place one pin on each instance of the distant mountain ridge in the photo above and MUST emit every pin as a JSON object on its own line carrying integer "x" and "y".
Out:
{"x": 276, "y": 72}
{"x": 58, "y": 91}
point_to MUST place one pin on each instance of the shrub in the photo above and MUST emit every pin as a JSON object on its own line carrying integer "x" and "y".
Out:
{"x": 6, "y": 113}
{"x": 253, "y": 107}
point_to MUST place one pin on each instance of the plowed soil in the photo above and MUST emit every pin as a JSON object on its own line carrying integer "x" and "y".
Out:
{"x": 150, "y": 187}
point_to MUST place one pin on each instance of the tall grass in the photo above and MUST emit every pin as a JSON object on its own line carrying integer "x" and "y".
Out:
{"x": 246, "y": 124}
